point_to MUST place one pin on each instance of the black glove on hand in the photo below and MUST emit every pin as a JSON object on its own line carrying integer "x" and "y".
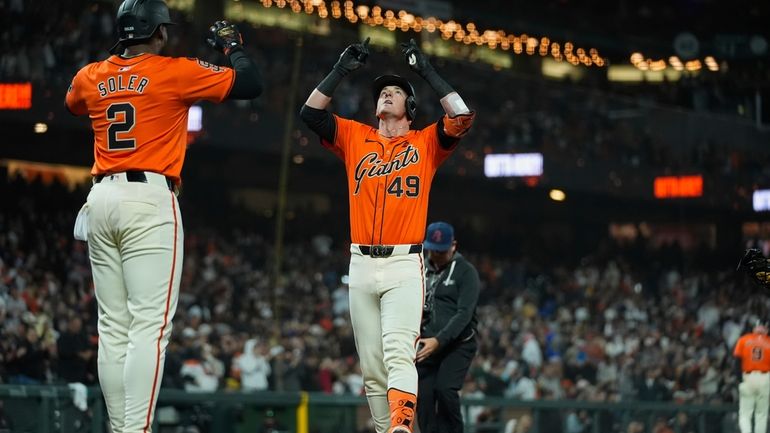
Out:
{"x": 419, "y": 63}
{"x": 225, "y": 37}
{"x": 352, "y": 58}
{"x": 416, "y": 59}
{"x": 756, "y": 265}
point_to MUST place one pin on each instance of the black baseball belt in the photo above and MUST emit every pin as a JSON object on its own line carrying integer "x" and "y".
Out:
{"x": 380, "y": 251}
{"x": 137, "y": 176}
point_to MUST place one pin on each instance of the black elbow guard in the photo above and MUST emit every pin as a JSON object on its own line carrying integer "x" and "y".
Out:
{"x": 319, "y": 121}
{"x": 310, "y": 115}
{"x": 307, "y": 114}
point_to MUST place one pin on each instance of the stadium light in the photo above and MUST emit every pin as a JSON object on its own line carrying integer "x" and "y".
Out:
{"x": 513, "y": 165}
{"x": 403, "y": 20}
{"x": 761, "y": 200}
{"x": 639, "y": 61}
{"x": 557, "y": 195}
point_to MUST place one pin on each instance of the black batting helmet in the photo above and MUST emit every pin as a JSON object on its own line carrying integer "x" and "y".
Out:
{"x": 137, "y": 20}
{"x": 397, "y": 80}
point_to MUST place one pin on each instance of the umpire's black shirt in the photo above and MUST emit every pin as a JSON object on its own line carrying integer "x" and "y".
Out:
{"x": 451, "y": 294}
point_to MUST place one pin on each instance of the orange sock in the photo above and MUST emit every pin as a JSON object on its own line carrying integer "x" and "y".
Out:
{"x": 402, "y": 406}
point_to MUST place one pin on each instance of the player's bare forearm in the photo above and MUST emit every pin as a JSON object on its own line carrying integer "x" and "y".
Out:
{"x": 454, "y": 105}
{"x": 318, "y": 100}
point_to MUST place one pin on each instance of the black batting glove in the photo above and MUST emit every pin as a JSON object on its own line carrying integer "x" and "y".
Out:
{"x": 225, "y": 37}
{"x": 416, "y": 59}
{"x": 352, "y": 58}
{"x": 756, "y": 265}
{"x": 419, "y": 63}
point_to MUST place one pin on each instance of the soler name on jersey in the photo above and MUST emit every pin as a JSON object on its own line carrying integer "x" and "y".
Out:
{"x": 121, "y": 83}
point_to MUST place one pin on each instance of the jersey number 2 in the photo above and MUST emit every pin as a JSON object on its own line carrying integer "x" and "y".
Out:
{"x": 120, "y": 126}
{"x": 412, "y": 184}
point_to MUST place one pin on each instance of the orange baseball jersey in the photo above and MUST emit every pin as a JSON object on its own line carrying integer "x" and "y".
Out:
{"x": 138, "y": 109}
{"x": 754, "y": 351}
{"x": 389, "y": 179}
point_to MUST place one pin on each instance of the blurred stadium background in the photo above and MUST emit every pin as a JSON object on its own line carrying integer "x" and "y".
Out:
{"x": 617, "y": 169}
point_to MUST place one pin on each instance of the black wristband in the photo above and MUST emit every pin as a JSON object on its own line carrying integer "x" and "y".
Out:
{"x": 328, "y": 84}
{"x": 438, "y": 84}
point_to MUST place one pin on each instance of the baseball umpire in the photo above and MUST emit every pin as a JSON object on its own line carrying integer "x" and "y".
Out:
{"x": 447, "y": 339}
{"x": 138, "y": 102}
{"x": 390, "y": 169}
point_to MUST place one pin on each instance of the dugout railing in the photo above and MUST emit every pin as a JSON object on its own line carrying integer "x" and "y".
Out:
{"x": 51, "y": 409}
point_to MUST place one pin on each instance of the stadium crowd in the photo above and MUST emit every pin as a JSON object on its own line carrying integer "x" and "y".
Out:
{"x": 628, "y": 323}
{"x": 575, "y": 125}
{"x": 71, "y": 33}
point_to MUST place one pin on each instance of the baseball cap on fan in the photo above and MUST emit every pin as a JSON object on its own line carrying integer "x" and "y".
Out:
{"x": 439, "y": 236}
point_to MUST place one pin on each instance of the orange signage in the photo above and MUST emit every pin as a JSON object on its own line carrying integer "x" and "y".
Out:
{"x": 15, "y": 96}
{"x": 678, "y": 186}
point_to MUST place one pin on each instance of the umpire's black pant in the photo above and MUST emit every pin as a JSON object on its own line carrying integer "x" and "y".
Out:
{"x": 441, "y": 378}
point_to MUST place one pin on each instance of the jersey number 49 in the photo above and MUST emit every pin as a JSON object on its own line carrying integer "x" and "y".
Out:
{"x": 409, "y": 187}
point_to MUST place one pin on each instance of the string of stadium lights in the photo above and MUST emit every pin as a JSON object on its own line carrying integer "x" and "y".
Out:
{"x": 466, "y": 34}
{"x": 648, "y": 64}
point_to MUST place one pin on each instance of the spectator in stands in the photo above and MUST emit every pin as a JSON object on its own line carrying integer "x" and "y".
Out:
{"x": 550, "y": 379}
{"x": 521, "y": 425}
{"x": 615, "y": 333}
{"x": 76, "y": 353}
{"x": 202, "y": 370}
{"x": 253, "y": 366}
{"x": 172, "y": 377}
{"x": 521, "y": 385}
{"x": 577, "y": 421}
{"x": 651, "y": 388}
{"x": 683, "y": 423}
{"x": 354, "y": 379}
{"x": 28, "y": 363}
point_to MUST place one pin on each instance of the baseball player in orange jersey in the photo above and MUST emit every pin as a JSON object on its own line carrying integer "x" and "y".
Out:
{"x": 138, "y": 102}
{"x": 753, "y": 350}
{"x": 390, "y": 169}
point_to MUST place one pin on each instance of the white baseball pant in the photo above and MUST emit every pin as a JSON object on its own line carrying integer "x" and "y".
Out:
{"x": 135, "y": 241}
{"x": 754, "y": 398}
{"x": 386, "y": 297}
